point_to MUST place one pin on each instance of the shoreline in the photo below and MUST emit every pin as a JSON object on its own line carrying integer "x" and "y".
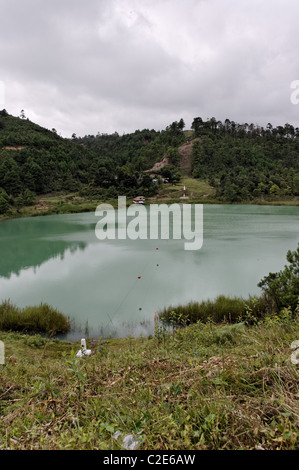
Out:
{"x": 64, "y": 204}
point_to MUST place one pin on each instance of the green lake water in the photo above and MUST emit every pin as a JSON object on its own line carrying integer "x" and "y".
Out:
{"x": 114, "y": 287}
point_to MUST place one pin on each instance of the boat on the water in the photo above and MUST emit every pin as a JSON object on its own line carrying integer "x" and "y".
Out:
{"x": 139, "y": 200}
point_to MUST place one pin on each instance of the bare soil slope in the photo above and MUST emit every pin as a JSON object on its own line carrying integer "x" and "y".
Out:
{"x": 185, "y": 151}
{"x": 185, "y": 164}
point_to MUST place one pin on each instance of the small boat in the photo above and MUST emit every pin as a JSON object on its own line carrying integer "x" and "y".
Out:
{"x": 139, "y": 200}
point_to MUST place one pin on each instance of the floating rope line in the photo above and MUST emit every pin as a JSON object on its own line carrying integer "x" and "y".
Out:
{"x": 139, "y": 277}
{"x": 147, "y": 290}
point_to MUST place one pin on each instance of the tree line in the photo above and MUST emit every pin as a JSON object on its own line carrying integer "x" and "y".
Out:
{"x": 242, "y": 161}
{"x": 35, "y": 160}
{"x": 246, "y": 162}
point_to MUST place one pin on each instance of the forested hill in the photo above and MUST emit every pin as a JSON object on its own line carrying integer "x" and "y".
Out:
{"x": 247, "y": 162}
{"x": 35, "y": 160}
{"x": 242, "y": 162}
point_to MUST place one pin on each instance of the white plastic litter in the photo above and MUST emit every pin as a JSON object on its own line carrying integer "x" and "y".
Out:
{"x": 129, "y": 442}
{"x": 116, "y": 435}
{"x": 83, "y": 351}
{"x": 295, "y": 354}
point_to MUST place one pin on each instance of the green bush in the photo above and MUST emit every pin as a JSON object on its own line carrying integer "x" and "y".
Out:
{"x": 283, "y": 287}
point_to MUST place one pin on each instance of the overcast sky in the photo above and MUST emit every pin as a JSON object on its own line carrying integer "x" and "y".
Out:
{"x": 119, "y": 65}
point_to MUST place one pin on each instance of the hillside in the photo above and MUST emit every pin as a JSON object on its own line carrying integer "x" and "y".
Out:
{"x": 35, "y": 160}
{"x": 234, "y": 162}
{"x": 245, "y": 162}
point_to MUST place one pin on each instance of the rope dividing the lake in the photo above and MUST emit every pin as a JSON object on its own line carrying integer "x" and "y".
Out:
{"x": 137, "y": 279}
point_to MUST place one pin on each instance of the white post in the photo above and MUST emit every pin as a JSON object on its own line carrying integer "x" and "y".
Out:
{"x": 2, "y": 353}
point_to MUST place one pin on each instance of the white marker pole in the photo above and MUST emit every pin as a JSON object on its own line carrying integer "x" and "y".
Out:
{"x": 2, "y": 353}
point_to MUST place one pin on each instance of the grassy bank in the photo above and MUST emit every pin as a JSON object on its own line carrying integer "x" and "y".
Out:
{"x": 205, "y": 386}
{"x": 222, "y": 309}
{"x": 197, "y": 192}
{"x": 33, "y": 319}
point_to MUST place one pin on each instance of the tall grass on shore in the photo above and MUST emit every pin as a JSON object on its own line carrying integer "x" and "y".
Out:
{"x": 229, "y": 309}
{"x": 37, "y": 319}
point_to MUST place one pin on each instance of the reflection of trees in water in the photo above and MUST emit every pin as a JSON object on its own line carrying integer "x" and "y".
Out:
{"x": 26, "y": 243}
{"x": 33, "y": 253}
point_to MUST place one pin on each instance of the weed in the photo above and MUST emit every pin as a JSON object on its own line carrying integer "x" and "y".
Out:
{"x": 206, "y": 386}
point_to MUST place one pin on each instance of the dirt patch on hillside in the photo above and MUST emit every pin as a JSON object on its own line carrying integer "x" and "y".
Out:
{"x": 158, "y": 166}
{"x": 185, "y": 164}
{"x": 9, "y": 147}
{"x": 186, "y": 156}
{"x": 186, "y": 151}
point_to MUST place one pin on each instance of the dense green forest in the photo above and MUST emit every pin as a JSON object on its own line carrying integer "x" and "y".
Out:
{"x": 35, "y": 160}
{"x": 242, "y": 162}
{"x": 246, "y": 162}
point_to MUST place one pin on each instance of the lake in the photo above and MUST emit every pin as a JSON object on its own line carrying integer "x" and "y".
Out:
{"x": 114, "y": 287}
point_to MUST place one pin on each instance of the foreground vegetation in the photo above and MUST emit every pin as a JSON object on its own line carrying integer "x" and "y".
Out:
{"x": 205, "y": 386}
{"x": 224, "y": 382}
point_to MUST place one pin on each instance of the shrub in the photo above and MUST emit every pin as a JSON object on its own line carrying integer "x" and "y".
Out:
{"x": 283, "y": 287}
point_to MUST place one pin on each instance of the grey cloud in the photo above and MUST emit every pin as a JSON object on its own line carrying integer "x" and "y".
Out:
{"x": 120, "y": 65}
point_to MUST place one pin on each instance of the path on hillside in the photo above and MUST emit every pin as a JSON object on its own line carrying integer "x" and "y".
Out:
{"x": 185, "y": 164}
{"x": 185, "y": 151}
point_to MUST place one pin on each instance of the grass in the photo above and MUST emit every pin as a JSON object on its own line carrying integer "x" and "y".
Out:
{"x": 54, "y": 204}
{"x": 195, "y": 189}
{"x": 37, "y": 319}
{"x": 217, "y": 310}
{"x": 204, "y": 387}
{"x": 223, "y": 308}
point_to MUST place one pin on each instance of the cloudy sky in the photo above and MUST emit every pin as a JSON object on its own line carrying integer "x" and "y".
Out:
{"x": 119, "y": 65}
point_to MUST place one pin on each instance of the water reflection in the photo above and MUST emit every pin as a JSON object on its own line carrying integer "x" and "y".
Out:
{"x": 114, "y": 287}
{"x": 26, "y": 243}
